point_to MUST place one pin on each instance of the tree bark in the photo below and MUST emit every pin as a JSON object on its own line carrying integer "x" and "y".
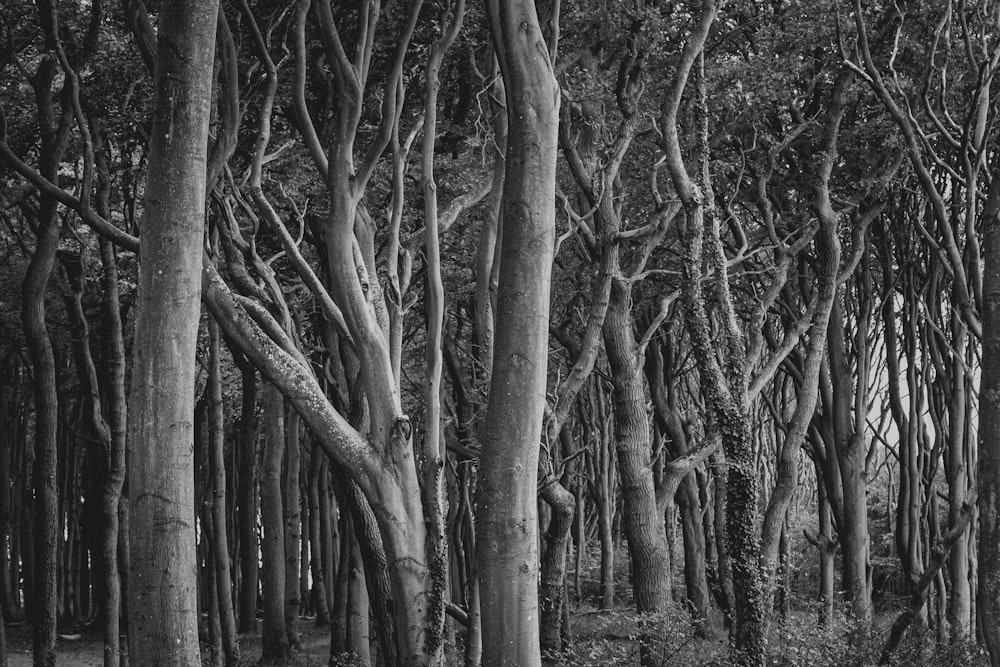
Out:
{"x": 163, "y": 619}
{"x": 507, "y": 503}
{"x": 644, "y": 524}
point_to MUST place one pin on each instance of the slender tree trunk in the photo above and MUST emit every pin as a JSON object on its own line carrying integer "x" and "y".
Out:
{"x": 292, "y": 529}
{"x": 553, "y": 568}
{"x": 507, "y": 504}
{"x": 320, "y": 600}
{"x": 957, "y": 472}
{"x": 358, "y": 631}
{"x": 274, "y": 638}
{"x": 827, "y": 548}
{"x": 115, "y": 410}
{"x": 43, "y": 592}
{"x": 217, "y": 485}
{"x": 695, "y": 575}
{"x": 246, "y": 504}
{"x": 45, "y": 510}
{"x": 851, "y": 458}
{"x": 163, "y": 619}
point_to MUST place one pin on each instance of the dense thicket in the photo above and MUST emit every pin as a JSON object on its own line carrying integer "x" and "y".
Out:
{"x": 501, "y": 301}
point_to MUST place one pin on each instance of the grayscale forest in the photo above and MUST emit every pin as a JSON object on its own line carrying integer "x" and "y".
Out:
{"x": 502, "y": 333}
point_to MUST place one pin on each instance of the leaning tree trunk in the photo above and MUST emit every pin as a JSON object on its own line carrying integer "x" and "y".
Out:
{"x": 507, "y": 507}
{"x": 988, "y": 474}
{"x": 163, "y": 611}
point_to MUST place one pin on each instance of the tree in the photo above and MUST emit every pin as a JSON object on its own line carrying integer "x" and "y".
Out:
{"x": 163, "y": 613}
{"x": 507, "y": 510}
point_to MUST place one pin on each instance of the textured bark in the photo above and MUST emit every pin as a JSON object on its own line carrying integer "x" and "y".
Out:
{"x": 988, "y": 473}
{"x": 507, "y": 505}
{"x": 643, "y": 522}
{"x": 163, "y": 620}
{"x": 553, "y": 568}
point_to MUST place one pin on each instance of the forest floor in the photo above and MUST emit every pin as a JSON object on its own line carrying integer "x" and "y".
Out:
{"x": 609, "y": 638}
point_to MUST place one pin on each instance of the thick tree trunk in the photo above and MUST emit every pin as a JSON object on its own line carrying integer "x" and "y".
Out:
{"x": 163, "y": 619}
{"x": 507, "y": 504}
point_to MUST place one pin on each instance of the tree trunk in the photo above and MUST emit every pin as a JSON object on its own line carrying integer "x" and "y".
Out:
{"x": 246, "y": 505}
{"x": 116, "y": 414}
{"x": 43, "y": 593}
{"x": 45, "y": 510}
{"x": 292, "y": 528}
{"x": 507, "y": 507}
{"x": 320, "y": 600}
{"x": 163, "y": 619}
{"x": 274, "y": 638}
{"x": 553, "y": 568}
{"x": 644, "y": 525}
{"x": 851, "y": 458}
{"x": 358, "y": 632}
{"x": 957, "y": 471}
{"x": 217, "y": 487}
